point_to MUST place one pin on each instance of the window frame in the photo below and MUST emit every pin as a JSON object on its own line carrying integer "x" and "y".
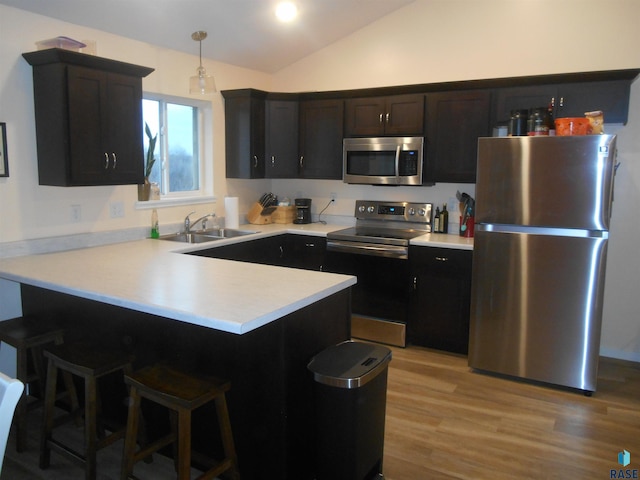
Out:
{"x": 204, "y": 118}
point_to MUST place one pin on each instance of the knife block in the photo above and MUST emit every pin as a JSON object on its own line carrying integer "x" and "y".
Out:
{"x": 255, "y": 216}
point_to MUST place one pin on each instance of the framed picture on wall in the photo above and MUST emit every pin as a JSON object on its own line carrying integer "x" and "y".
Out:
{"x": 4, "y": 163}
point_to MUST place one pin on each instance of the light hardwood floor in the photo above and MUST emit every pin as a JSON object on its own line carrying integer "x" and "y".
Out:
{"x": 447, "y": 422}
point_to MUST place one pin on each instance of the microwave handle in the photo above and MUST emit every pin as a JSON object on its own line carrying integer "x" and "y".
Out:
{"x": 398, "y": 162}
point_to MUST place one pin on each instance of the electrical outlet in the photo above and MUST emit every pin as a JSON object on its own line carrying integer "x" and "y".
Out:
{"x": 76, "y": 213}
{"x": 116, "y": 209}
{"x": 333, "y": 196}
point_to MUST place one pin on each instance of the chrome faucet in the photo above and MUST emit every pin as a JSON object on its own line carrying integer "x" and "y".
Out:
{"x": 188, "y": 223}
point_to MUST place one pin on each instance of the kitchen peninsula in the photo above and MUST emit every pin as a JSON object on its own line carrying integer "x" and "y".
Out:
{"x": 256, "y": 325}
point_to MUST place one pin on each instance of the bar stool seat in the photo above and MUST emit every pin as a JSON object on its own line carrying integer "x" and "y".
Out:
{"x": 28, "y": 335}
{"x": 181, "y": 393}
{"x": 89, "y": 362}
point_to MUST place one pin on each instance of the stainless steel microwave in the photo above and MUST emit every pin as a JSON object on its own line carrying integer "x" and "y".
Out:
{"x": 383, "y": 160}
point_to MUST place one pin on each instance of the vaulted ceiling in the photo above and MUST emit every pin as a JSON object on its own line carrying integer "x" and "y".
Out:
{"x": 240, "y": 32}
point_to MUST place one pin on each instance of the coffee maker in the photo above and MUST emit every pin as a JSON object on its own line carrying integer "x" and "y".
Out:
{"x": 303, "y": 210}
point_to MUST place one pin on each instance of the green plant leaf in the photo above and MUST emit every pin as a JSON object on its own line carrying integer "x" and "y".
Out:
{"x": 151, "y": 160}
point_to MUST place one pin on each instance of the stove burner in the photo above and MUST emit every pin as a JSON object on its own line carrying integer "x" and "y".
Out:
{"x": 382, "y": 229}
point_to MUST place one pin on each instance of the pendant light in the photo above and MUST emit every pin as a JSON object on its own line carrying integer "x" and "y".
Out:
{"x": 201, "y": 83}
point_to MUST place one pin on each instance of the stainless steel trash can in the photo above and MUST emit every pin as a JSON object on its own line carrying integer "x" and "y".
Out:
{"x": 350, "y": 400}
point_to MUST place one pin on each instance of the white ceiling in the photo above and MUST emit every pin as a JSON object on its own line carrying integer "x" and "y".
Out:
{"x": 240, "y": 32}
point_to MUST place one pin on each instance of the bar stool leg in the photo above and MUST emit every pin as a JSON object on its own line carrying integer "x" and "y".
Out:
{"x": 90, "y": 431}
{"x": 227, "y": 434}
{"x": 21, "y": 408}
{"x": 47, "y": 423}
{"x": 184, "y": 444}
{"x": 132, "y": 434}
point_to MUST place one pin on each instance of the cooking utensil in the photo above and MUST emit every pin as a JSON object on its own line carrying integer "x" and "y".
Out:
{"x": 467, "y": 206}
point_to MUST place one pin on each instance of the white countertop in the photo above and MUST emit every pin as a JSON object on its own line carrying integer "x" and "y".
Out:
{"x": 153, "y": 276}
{"x": 443, "y": 240}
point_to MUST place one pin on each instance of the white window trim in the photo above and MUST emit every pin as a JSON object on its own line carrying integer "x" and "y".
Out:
{"x": 205, "y": 194}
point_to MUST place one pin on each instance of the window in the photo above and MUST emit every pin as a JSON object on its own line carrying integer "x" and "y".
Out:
{"x": 180, "y": 148}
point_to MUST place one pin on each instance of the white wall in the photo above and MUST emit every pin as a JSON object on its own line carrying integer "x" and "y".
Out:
{"x": 427, "y": 41}
{"x": 31, "y": 211}
{"x": 448, "y": 40}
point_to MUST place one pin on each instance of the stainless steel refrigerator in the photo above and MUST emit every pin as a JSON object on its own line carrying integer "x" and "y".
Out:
{"x": 543, "y": 206}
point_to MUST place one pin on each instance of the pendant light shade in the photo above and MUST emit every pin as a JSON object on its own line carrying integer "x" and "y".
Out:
{"x": 201, "y": 83}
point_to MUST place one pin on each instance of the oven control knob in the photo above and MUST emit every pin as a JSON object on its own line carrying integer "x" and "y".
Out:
{"x": 412, "y": 211}
{"x": 422, "y": 212}
{"x": 361, "y": 208}
{"x": 371, "y": 209}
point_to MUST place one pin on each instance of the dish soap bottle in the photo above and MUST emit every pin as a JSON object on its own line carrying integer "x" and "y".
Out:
{"x": 155, "y": 227}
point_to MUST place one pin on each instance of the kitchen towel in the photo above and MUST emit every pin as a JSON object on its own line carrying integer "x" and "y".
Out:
{"x": 231, "y": 212}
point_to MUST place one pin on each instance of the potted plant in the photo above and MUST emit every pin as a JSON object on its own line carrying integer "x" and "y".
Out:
{"x": 144, "y": 190}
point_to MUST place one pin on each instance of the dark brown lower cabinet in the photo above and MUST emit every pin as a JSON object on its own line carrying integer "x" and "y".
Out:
{"x": 441, "y": 298}
{"x": 288, "y": 250}
{"x": 271, "y": 401}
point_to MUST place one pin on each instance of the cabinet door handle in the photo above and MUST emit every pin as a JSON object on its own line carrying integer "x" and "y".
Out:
{"x": 387, "y": 117}
{"x": 301, "y": 161}
{"x": 281, "y": 251}
{"x": 273, "y": 161}
{"x": 562, "y": 101}
{"x": 255, "y": 161}
{"x": 380, "y": 118}
{"x": 415, "y": 283}
{"x": 115, "y": 160}
{"x": 106, "y": 160}
{"x": 442, "y": 259}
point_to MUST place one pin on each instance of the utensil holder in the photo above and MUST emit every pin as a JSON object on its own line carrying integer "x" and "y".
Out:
{"x": 469, "y": 224}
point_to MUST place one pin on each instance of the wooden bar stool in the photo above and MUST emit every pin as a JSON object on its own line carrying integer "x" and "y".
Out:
{"x": 90, "y": 362}
{"x": 181, "y": 393}
{"x": 28, "y": 335}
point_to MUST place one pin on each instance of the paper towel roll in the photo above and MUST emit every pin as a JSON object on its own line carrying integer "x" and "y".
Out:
{"x": 231, "y": 212}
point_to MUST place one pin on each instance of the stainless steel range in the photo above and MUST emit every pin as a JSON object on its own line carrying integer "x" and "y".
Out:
{"x": 376, "y": 250}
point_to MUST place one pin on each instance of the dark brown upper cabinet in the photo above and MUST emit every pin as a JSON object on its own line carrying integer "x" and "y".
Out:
{"x": 396, "y": 115}
{"x": 281, "y": 139}
{"x": 455, "y": 120}
{"x": 88, "y": 113}
{"x": 244, "y": 119}
{"x": 568, "y": 99}
{"x": 321, "y": 133}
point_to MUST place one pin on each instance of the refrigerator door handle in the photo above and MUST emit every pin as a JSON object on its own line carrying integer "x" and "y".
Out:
{"x": 549, "y": 231}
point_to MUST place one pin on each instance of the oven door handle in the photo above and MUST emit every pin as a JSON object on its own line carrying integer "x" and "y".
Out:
{"x": 363, "y": 248}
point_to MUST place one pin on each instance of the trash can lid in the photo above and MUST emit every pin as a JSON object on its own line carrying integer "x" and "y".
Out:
{"x": 349, "y": 364}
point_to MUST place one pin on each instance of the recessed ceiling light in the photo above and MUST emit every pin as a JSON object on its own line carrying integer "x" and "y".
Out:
{"x": 286, "y": 11}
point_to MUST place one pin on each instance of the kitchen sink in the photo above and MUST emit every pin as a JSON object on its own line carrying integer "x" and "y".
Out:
{"x": 227, "y": 232}
{"x": 189, "y": 237}
{"x": 206, "y": 235}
